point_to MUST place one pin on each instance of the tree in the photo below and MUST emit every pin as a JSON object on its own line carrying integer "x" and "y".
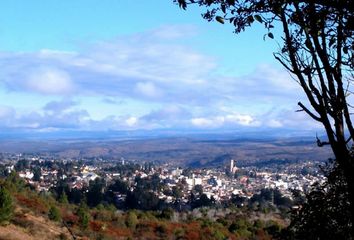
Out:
{"x": 198, "y": 189}
{"x": 317, "y": 50}
{"x": 6, "y": 205}
{"x": 176, "y": 192}
{"x": 131, "y": 220}
{"x": 22, "y": 165}
{"x": 14, "y": 183}
{"x": 84, "y": 216}
{"x": 63, "y": 198}
{"x": 95, "y": 192}
{"x": 167, "y": 213}
{"x": 325, "y": 214}
{"x": 142, "y": 199}
{"x": 37, "y": 173}
{"x": 119, "y": 186}
{"x": 54, "y": 214}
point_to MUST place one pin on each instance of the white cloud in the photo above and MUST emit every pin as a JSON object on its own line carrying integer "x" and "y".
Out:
{"x": 140, "y": 66}
{"x": 49, "y": 81}
{"x": 203, "y": 122}
{"x": 131, "y": 121}
{"x": 240, "y": 119}
{"x": 288, "y": 118}
{"x": 274, "y": 123}
{"x": 182, "y": 86}
{"x": 148, "y": 89}
{"x": 145, "y": 66}
{"x": 227, "y": 121}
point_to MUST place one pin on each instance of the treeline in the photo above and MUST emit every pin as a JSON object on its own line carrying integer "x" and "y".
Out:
{"x": 144, "y": 194}
{"x": 103, "y": 221}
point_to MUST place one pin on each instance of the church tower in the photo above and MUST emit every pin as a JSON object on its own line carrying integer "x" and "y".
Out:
{"x": 233, "y": 167}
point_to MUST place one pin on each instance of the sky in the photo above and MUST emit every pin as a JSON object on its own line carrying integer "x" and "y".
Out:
{"x": 110, "y": 65}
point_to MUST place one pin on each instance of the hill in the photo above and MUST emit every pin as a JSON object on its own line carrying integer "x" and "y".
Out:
{"x": 192, "y": 152}
{"x": 32, "y": 219}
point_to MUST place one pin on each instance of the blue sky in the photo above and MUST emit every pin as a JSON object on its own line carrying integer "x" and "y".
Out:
{"x": 124, "y": 65}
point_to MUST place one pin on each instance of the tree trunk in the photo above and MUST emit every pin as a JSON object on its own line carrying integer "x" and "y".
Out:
{"x": 345, "y": 160}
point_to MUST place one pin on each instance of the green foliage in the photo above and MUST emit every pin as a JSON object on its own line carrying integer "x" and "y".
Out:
{"x": 243, "y": 233}
{"x": 6, "y": 205}
{"x": 131, "y": 220}
{"x": 179, "y": 232}
{"x": 84, "y": 216}
{"x": 326, "y": 213}
{"x": 167, "y": 213}
{"x": 218, "y": 235}
{"x": 37, "y": 173}
{"x": 94, "y": 194}
{"x": 258, "y": 224}
{"x": 142, "y": 199}
{"x": 22, "y": 165}
{"x": 240, "y": 224}
{"x": 161, "y": 229}
{"x": 54, "y": 214}
{"x": 316, "y": 47}
{"x": 242, "y": 228}
{"x": 273, "y": 228}
{"x": 14, "y": 183}
{"x": 119, "y": 186}
{"x": 63, "y": 198}
{"x": 176, "y": 192}
{"x": 198, "y": 189}
{"x": 222, "y": 221}
{"x": 273, "y": 196}
{"x": 3, "y": 171}
{"x": 202, "y": 201}
{"x": 233, "y": 227}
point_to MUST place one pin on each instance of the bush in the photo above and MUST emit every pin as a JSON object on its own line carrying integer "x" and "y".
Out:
{"x": 243, "y": 233}
{"x": 179, "y": 232}
{"x": 84, "y": 216}
{"x": 162, "y": 229}
{"x": 258, "y": 224}
{"x": 218, "y": 235}
{"x": 131, "y": 220}
{"x": 325, "y": 211}
{"x": 6, "y": 206}
{"x": 167, "y": 213}
{"x": 54, "y": 214}
{"x": 63, "y": 198}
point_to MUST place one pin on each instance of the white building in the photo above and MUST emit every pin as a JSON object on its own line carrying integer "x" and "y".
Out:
{"x": 233, "y": 167}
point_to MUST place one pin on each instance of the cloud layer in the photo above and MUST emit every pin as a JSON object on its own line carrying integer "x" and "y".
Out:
{"x": 184, "y": 87}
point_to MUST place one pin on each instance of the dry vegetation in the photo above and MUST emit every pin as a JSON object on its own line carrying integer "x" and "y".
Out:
{"x": 30, "y": 221}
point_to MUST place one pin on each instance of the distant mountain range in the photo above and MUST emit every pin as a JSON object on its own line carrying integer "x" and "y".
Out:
{"x": 182, "y": 149}
{"x": 242, "y": 133}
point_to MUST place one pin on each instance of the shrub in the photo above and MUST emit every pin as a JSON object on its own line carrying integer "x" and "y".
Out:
{"x": 6, "y": 206}
{"x": 218, "y": 235}
{"x": 54, "y": 214}
{"x": 131, "y": 220}
{"x": 84, "y": 216}
{"x": 63, "y": 198}
{"x": 162, "y": 229}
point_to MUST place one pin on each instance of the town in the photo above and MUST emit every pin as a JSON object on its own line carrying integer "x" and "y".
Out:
{"x": 174, "y": 186}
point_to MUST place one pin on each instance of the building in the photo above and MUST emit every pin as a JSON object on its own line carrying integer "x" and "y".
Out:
{"x": 233, "y": 167}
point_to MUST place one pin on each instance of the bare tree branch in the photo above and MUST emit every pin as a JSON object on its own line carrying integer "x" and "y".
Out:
{"x": 309, "y": 112}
